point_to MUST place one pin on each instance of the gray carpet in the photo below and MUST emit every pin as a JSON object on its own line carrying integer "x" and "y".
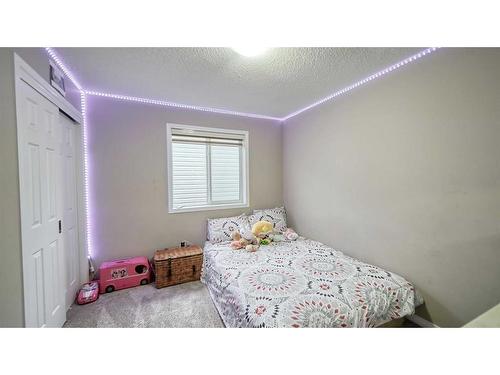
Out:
{"x": 183, "y": 305}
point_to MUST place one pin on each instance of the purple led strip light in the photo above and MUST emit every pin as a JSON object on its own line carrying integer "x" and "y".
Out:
{"x": 165, "y": 103}
{"x": 179, "y": 105}
{"x": 83, "y": 101}
{"x": 63, "y": 67}
{"x": 363, "y": 81}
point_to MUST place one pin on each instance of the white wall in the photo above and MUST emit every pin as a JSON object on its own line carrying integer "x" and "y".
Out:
{"x": 404, "y": 173}
{"x": 11, "y": 284}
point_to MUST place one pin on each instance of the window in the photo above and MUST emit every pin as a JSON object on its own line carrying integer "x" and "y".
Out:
{"x": 207, "y": 168}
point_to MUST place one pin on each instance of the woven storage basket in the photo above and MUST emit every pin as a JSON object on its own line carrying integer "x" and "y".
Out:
{"x": 177, "y": 265}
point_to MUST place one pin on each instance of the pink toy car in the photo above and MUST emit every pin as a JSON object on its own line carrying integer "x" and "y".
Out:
{"x": 124, "y": 273}
{"x": 88, "y": 293}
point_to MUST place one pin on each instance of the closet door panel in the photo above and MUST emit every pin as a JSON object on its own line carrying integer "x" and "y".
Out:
{"x": 41, "y": 208}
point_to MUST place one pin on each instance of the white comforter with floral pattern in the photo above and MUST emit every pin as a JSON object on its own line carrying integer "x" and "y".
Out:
{"x": 302, "y": 284}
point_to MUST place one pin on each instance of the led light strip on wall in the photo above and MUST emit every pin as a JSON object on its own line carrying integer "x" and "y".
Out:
{"x": 182, "y": 106}
{"x": 53, "y": 55}
{"x": 86, "y": 179}
{"x": 63, "y": 67}
{"x": 83, "y": 103}
{"x": 363, "y": 81}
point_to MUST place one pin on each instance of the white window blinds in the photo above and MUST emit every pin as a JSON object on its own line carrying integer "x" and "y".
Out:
{"x": 206, "y": 168}
{"x": 189, "y": 174}
{"x": 225, "y": 173}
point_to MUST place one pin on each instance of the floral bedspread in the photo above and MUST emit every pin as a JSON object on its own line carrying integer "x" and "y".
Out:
{"x": 302, "y": 284}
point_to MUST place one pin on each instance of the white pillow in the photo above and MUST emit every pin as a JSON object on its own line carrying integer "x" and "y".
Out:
{"x": 219, "y": 230}
{"x": 276, "y": 216}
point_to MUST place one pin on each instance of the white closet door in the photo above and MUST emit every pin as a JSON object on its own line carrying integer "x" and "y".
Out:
{"x": 41, "y": 177}
{"x": 70, "y": 214}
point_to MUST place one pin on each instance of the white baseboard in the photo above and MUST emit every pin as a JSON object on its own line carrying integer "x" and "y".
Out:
{"x": 424, "y": 323}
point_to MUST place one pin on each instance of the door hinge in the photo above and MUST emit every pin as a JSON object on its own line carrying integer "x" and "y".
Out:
{"x": 60, "y": 226}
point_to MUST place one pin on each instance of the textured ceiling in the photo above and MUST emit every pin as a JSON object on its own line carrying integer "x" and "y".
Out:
{"x": 277, "y": 83}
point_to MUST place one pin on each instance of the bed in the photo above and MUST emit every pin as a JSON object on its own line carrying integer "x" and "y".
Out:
{"x": 302, "y": 283}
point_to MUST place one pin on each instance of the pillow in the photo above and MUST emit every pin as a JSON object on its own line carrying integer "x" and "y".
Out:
{"x": 276, "y": 216}
{"x": 219, "y": 230}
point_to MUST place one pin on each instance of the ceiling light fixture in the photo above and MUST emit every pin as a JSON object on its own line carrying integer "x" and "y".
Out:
{"x": 250, "y": 51}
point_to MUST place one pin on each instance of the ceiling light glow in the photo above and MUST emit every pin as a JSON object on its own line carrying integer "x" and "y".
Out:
{"x": 250, "y": 51}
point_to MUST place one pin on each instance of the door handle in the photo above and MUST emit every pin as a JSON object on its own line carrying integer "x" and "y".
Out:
{"x": 60, "y": 226}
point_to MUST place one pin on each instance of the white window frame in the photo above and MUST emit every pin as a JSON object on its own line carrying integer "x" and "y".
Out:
{"x": 244, "y": 184}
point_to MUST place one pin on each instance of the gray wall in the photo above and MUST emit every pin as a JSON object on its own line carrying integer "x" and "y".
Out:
{"x": 11, "y": 287}
{"x": 11, "y": 284}
{"x": 404, "y": 173}
{"x": 127, "y": 142}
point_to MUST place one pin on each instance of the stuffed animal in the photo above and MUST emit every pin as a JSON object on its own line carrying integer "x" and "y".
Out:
{"x": 236, "y": 242}
{"x": 261, "y": 234}
{"x": 261, "y": 229}
{"x": 246, "y": 241}
{"x": 236, "y": 236}
{"x": 236, "y": 245}
{"x": 290, "y": 235}
{"x": 276, "y": 237}
{"x": 250, "y": 238}
{"x": 252, "y": 248}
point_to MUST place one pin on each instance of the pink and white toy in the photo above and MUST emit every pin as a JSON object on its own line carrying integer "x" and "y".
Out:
{"x": 124, "y": 273}
{"x": 89, "y": 292}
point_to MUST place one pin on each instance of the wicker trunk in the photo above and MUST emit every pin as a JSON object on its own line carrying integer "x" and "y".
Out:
{"x": 177, "y": 265}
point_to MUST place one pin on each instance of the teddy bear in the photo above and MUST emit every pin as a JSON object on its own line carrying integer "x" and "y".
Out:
{"x": 261, "y": 229}
{"x": 264, "y": 231}
{"x": 246, "y": 241}
{"x": 238, "y": 242}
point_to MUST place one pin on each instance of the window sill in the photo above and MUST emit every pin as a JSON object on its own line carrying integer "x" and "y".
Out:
{"x": 208, "y": 208}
